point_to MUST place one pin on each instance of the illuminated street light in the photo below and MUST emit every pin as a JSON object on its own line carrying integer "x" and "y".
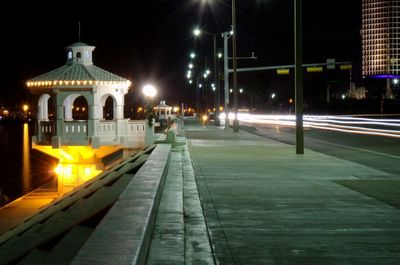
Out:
{"x": 192, "y": 55}
{"x": 149, "y": 91}
{"x": 25, "y": 107}
{"x": 197, "y": 32}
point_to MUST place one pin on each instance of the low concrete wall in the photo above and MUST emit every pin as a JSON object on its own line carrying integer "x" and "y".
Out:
{"x": 124, "y": 234}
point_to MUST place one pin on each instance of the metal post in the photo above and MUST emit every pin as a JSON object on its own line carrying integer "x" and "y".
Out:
{"x": 216, "y": 95}
{"x": 235, "y": 92}
{"x": 198, "y": 93}
{"x": 226, "y": 81}
{"x": 298, "y": 77}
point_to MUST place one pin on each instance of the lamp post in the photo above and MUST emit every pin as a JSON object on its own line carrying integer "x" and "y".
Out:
{"x": 235, "y": 92}
{"x": 197, "y": 32}
{"x": 150, "y": 92}
{"x": 226, "y": 82}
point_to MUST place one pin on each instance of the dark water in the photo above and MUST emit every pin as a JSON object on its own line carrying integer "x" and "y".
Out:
{"x": 21, "y": 168}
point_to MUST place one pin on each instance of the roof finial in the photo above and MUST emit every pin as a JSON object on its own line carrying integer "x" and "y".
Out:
{"x": 79, "y": 31}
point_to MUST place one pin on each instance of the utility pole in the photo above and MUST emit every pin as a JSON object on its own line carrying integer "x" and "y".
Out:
{"x": 235, "y": 90}
{"x": 226, "y": 81}
{"x": 298, "y": 77}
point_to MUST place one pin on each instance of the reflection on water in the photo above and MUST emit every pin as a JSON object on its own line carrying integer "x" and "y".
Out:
{"x": 21, "y": 168}
{"x": 26, "y": 160}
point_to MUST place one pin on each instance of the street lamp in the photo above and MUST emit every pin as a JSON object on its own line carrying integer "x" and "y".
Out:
{"x": 150, "y": 92}
{"x": 235, "y": 91}
{"x": 197, "y": 32}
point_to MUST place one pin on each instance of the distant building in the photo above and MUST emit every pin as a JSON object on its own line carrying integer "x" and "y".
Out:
{"x": 381, "y": 40}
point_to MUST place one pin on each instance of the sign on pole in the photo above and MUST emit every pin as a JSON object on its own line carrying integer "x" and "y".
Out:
{"x": 330, "y": 64}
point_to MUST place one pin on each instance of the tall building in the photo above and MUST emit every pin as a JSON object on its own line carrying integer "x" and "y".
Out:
{"x": 381, "y": 39}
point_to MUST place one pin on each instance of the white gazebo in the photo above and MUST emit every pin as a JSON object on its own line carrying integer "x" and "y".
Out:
{"x": 163, "y": 111}
{"x": 80, "y": 81}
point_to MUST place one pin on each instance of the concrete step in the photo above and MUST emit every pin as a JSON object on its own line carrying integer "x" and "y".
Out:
{"x": 167, "y": 244}
{"x": 197, "y": 243}
{"x": 180, "y": 235}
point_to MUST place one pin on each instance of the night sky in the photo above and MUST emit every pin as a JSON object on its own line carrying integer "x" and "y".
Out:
{"x": 149, "y": 41}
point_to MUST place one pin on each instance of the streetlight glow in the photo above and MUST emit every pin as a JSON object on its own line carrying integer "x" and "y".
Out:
{"x": 149, "y": 91}
{"x": 196, "y": 32}
{"x": 192, "y": 55}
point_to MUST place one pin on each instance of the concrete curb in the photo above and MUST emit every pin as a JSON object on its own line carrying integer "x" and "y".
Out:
{"x": 124, "y": 234}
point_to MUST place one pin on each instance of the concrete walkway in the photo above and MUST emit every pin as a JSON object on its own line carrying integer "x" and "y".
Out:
{"x": 265, "y": 205}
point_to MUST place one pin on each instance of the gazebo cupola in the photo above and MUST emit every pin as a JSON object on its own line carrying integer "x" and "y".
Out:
{"x": 79, "y": 78}
{"x": 79, "y": 53}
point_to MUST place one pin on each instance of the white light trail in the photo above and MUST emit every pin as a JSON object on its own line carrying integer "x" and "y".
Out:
{"x": 346, "y": 124}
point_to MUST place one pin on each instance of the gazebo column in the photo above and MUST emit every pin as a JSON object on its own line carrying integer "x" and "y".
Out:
{"x": 57, "y": 139}
{"x": 119, "y": 112}
{"x": 93, "y": 121}
{"x": 68, "y": 108}
{"x": 68, "y": 113}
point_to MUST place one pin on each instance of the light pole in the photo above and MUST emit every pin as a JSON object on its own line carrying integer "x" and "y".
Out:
{"x": 197, "y": 32}
{"x": 226, "y": 81}
{"x": 235, "y": 92}
{"x": 150, "y": 92}
{"x": 298, "y": 77}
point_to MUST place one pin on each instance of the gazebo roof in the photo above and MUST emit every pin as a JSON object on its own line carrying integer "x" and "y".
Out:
{"x": 78, "y": 71}
{"x": 162, "y": 105}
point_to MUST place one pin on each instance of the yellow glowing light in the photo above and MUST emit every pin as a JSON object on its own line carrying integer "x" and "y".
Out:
{"x": 87, "y": 171}
{"x": 314, "y": 69}
{"x": 72, "y": 175}
{"x": 140, "y": 109}
{"x": 176, "y": 109}
{"x": 58, "y": 169}
{"x": 346, "y": 67}
{"x": 282, "y": 71}
{"x": 204, "y": 118}
{"x": 25, "y": 107}
{"x": 290, "y": 101}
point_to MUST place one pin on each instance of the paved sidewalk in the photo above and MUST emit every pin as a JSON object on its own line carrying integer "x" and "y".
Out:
{"x": 265, "y": 205}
